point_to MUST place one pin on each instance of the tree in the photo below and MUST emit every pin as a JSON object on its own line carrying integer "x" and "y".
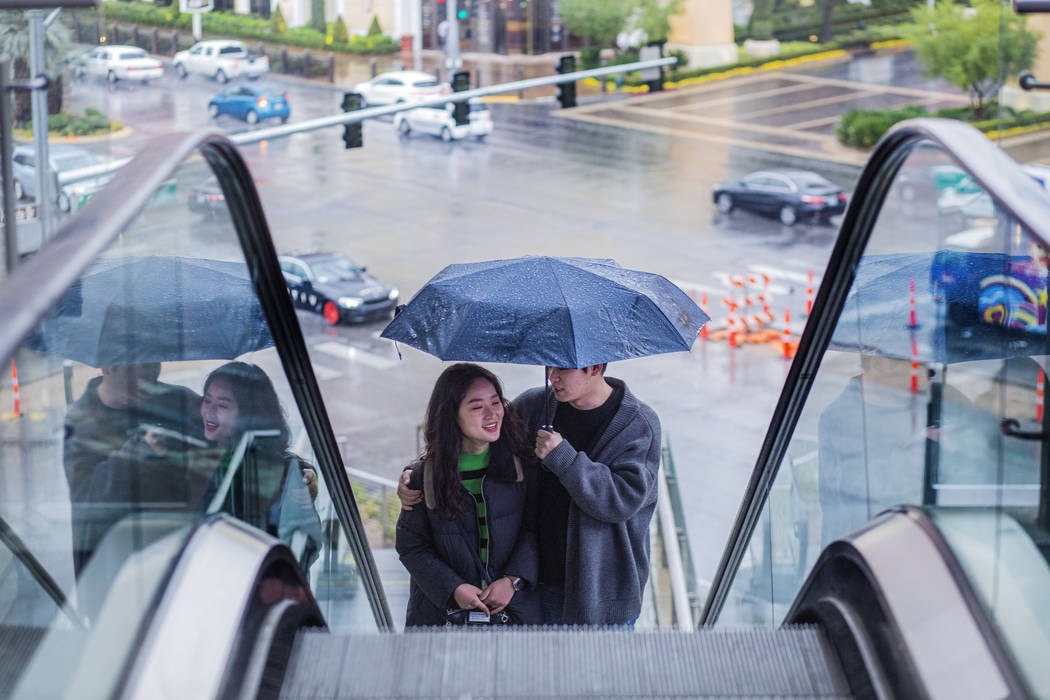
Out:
{"x": 654, "y": 17}
{"x": 968, "y": 47}
{"x": 827, "y": 8}
{"x": 597, "y": 21}
{"x": 760, "y": 25}
{"x": 14, "y": 41}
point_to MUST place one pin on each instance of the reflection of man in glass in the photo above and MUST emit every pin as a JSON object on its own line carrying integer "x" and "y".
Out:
{"x": 125, "y": 422}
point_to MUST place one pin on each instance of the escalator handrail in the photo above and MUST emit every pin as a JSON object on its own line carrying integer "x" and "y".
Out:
{"x": 37, "y": 285}
{"x": 998, "y": 174}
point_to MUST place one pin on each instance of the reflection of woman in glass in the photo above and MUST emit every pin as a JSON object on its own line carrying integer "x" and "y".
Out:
{"x": 270, "y": 487}
{"x": 473, "y": 545}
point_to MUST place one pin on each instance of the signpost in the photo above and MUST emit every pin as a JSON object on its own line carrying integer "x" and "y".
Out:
{"x": 196, "y": 8}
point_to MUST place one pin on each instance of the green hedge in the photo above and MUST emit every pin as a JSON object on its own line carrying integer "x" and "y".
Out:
{"x": 242, "y": 26}
{"x": 796, "y": 22}
{"x": 863, "y": 128}
{"x": 68, "y": 124}
{"x": 856, "y": 40}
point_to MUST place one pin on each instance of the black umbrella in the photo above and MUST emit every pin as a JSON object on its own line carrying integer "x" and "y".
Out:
{"x": 554, "y": 312}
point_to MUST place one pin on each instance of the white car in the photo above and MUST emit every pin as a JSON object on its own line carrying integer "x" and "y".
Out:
{"x": 438, "y": 120}
{"x": 115, "y": 63}
{"x": 221, "y": 59}
{"x": 63, "y": 157}
{"x": 399, "y": 86}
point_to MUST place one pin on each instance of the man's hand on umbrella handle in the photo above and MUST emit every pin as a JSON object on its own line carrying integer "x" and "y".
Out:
{"x": 546, "y": 440}
{"x": 408, "y": 497}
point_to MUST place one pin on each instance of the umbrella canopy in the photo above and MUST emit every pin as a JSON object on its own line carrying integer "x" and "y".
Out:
{"x": 154, "y": 309}
{"x": 555, "y": 312}
{"x": 949, "y": 287}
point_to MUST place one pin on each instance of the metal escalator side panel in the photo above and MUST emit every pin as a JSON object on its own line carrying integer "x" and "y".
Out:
{"x": 893, "y": 595}
{"x": 203, "y": 634}
{"x": 974, "y": 157}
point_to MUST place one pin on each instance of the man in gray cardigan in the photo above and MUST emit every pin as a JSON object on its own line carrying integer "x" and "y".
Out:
{"x": 597, "y": 495}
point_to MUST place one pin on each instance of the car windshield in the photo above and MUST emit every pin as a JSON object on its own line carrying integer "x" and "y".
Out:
{"x": 425, "y": 83}
{"x": 335, "y": 269}
{"x": 74, "y": 161}
{"x": 232, "y": 49}
{"x": 814, "y": 182}
{"x": 128, "y": 55}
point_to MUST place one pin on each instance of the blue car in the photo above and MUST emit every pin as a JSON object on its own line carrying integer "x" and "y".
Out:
{"x": 251, "y": 102}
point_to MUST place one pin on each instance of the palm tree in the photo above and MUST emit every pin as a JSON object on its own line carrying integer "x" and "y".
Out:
{"x": 14, "y": 41}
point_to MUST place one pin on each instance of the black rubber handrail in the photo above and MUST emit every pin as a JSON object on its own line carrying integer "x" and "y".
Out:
{"x": 998, "y": 174}
{"x": 37, "y": 285}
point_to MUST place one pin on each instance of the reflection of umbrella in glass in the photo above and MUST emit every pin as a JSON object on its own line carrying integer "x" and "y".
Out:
{"x": 557, "y": 312}
{"x": 153, "y": 309}
{"x": 948, "y": 287}
{"x": 554, "y": 312}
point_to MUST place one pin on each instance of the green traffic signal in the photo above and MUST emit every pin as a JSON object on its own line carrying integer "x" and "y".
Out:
{"x": 462, "y": 14}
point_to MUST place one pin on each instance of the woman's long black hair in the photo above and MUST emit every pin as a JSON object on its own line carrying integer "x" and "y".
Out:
{"x": 443, "y": 437}
{"x": 258, "y": 407}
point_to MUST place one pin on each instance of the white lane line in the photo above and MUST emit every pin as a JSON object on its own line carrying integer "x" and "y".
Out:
{"x": 348, "y": 352}
{"x": 773, "y": 288}
{"x": 325, "y": 374}
{"x": 697, "y": 287}
{"x": 780, "y": 273}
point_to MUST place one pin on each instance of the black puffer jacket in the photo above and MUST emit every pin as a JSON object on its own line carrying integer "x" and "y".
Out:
{"x": 441, "y": 554}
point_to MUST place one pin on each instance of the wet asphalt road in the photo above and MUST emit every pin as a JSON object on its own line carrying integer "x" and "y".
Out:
{"x": 540, "y": 184}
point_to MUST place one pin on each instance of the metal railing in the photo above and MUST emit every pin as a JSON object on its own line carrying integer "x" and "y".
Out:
{"x": 670, "y": 518}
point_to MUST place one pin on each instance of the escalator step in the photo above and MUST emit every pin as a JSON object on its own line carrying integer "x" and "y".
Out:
{"x": 538, "y": 663}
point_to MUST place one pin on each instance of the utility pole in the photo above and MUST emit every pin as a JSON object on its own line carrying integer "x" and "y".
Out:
{"x": 6, "y": 180}
{"x": 38, "y": 104}
{"x": 452, "y": 60}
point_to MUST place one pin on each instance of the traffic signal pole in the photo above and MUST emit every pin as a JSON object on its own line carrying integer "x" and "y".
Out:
{"x": 452, "y": 60}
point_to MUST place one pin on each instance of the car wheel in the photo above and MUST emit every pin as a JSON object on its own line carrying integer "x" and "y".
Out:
{"x": 221, "y": 76}
{"x": 213, "y": 110}
{"x": 284, "y": 120}
{"x": 788, "y": 215}
{"x": 180, "y": 70}
{"x": 251, "y": 117}
{"x": 19, "y": 192}
{"x": 331, "y": 312}
{"x": 404, "y": 127}
{"x": 446, "y": 134}
{"x": 724, "y": 202}
{"x": 111, "y": 78}
{"x": 63, "y": 202}
{"x": 480, "y": 138}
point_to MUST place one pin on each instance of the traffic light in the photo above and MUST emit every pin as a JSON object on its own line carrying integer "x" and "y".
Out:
{"x": 352, "y": 136}
{"x": 461, "y": 110}
{"x": 567, "y": 91}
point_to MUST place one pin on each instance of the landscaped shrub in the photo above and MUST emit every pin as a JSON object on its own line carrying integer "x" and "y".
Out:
{"x": 339, "y": 32}
{"x": 373, "y": 28}
{"x": 862, "y": 128}
{"x": 58, "y": 122}
{"x": 276, "y": 22}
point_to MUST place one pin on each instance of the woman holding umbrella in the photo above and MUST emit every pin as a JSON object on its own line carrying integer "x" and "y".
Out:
{"x": 473, "y": 546}
{"x": 270, "y": 487}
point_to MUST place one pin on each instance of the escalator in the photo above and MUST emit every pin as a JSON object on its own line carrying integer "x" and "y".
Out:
{"x": 141, "y": 561}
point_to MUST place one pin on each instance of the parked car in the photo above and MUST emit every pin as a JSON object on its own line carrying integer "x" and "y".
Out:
{"x": 438, "y": 120}
{"x": 399, "y": 86}
{"x": 114, "y": 63}
{"x": 221, "y": 59}
{"x": 789, "y": 195}
{"x": 207, "y": 197}
{"x": 251, "y": 102}
{"x": 63, "y": 158}
{"x": 336, "y": 287}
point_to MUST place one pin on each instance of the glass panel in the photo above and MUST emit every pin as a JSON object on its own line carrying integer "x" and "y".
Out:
{"x": 110, "y": 455}
{"x": 941, "y": 340}
{"x": 1010, "y": 578}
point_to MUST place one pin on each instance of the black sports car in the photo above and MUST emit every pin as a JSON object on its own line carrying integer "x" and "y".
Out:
{"x": 790, "y": 195}
{"x": 336, "y": 287}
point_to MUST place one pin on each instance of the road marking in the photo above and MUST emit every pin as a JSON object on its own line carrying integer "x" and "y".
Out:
{"x": 736, "y": 99}
{"x": 855, "y": 95}
{"x": 780, "y": 273}
{"x": 348, "y": 352}
{"x": 325, "y": 374}
{"x": 729, "y": 123}
{"x": 773, "y": 288}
